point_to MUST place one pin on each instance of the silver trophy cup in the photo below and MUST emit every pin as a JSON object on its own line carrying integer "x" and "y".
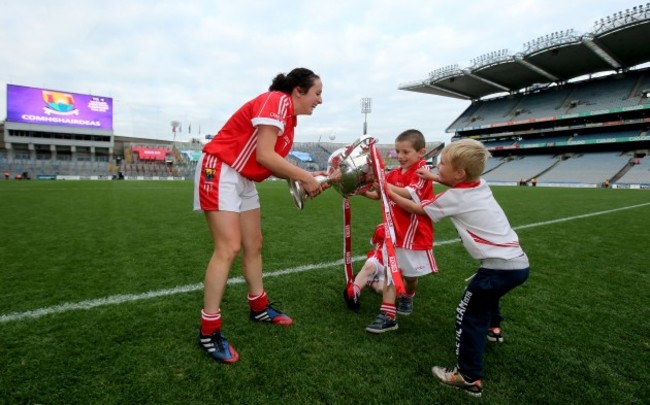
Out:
{"x": 356, "y": 175}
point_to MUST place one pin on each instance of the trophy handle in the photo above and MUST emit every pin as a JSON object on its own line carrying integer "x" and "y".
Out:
{"x": 349, "y": 149}
{"x": 298, "y": 194}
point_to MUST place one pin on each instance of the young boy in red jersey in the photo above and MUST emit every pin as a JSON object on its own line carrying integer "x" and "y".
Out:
{"x": 486, "y": 234}
{"x": 413, "y": 232}
{"x": 371, "y": 274}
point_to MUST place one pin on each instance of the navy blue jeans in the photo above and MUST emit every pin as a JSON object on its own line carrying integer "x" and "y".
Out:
{"x": 479, "y": 310}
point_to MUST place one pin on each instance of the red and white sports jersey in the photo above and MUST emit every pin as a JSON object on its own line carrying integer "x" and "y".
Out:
{"x": 412, "y": 231}
{"x": 377, "y": 240}
{"x": 236, "y": 143}
{"x": 479, "y": 219}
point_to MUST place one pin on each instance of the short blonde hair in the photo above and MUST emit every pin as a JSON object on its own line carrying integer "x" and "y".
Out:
{"x": 469, "y": 155}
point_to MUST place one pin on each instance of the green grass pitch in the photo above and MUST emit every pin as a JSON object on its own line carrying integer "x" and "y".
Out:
{"x": 100, "y": 293}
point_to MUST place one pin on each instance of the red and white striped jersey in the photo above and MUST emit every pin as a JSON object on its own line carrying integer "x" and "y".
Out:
{"x": 378, "y": 238}
{"x": 412, "y": 231}
{"x": 236, "y": 143}
{"x": 479, "y": 219}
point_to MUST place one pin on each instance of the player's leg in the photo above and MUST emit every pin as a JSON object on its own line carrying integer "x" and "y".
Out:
{"x": 472, "y": 319}
{"x": 504, "y": 281}
{"x": 352, "y": 291}
{"x": 387, "y": 318}
{"x": 371, "y": 275}
{"x": 260, "y": 308}
{"x": 414, "y": 264}
{"x": 378, "y": 280}
{"x": 365, "y": 274}
{"x": 216, "y": 193}
{"x": 495, "y": 334}
{"x": 410, "y": 284}
{"x": 251, "y": 232}
{"x": 224, "y": 227}
{"x": 405, "y": 301}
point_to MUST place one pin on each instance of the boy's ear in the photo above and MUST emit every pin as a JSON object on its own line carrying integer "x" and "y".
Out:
{"x": 460, "y": 174}
{"x": 422, "y": 152}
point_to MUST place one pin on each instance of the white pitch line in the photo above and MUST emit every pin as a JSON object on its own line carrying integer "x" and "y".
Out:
{"x": 593, "y": 214}
{"x": 119, "y": 299}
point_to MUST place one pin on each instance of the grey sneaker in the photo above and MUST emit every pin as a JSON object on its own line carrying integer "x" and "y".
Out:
{"x": 451, "y": 377}
{"x": 382, "y": 324}
{"x": 405, "y": 305}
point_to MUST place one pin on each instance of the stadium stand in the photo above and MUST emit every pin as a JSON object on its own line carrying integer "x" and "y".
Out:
{"x": 590, "y": 168}
{"x": 493, "y": 163}
{"x": 568, "y": 109}
{"x": 521, "y": 167}
{"x": 638, "y": 173}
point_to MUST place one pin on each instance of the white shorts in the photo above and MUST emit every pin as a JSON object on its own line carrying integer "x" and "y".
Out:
{"x": 378, "y": 273}
{"x": 219, "y": 187}
{"x": 414, "y": 263}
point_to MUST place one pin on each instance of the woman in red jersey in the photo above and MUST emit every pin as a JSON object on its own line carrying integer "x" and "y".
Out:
{"x": 251, "y": 146}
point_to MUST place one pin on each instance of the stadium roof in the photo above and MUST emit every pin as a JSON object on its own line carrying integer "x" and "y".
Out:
{"x": 618, "y": 42}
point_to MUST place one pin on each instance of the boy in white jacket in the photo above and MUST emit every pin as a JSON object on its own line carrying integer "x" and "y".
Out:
{"x": 488, "y": 237}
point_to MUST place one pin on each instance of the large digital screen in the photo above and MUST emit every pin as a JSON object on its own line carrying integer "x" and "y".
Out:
{"x": 32, "y": 105}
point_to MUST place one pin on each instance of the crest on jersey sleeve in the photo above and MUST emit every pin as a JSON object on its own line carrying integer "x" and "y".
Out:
{"x": 209, "y": 173}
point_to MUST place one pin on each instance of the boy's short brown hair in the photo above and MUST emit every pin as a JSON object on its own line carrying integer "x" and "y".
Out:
{"x": 413, "y": 136}
{"x": 469, "y": 155}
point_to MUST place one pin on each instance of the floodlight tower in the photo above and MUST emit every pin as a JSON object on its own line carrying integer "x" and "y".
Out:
{"x": 366, "y": 108}
{"x": 175, "y": 125}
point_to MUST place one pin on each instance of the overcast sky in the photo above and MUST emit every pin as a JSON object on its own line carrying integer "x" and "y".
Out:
{"x": 198, "y": 61}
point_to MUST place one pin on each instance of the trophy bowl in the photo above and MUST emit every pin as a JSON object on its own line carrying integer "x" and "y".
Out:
{"x": 355, "y": 176}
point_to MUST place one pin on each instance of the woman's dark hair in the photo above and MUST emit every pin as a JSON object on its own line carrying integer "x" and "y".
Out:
{"x": 298, "y": 77}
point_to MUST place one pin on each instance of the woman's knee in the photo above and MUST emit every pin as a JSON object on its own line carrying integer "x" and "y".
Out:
{"x": 227, "y": 250}
{"x": 253, "y": 244}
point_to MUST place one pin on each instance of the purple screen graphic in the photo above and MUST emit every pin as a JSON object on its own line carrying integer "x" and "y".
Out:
{"x": 32, "y": 105}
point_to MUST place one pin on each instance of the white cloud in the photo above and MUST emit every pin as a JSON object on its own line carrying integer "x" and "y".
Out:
{"x": 198, "y": 61}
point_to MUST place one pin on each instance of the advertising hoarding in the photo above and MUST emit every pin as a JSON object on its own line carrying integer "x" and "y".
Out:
{"x": 31, "y": 105}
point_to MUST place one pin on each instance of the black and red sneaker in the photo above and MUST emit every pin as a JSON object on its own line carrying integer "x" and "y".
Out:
{"x": 272, "y": 315}
{"x": 218, "y": 347}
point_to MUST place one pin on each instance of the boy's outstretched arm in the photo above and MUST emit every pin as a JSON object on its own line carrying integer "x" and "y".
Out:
{"x": 405, "y": 203}
{"x": 400, "y": 191}
{"x": 428, "y": 175}
{"x": 371, "y": 194}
